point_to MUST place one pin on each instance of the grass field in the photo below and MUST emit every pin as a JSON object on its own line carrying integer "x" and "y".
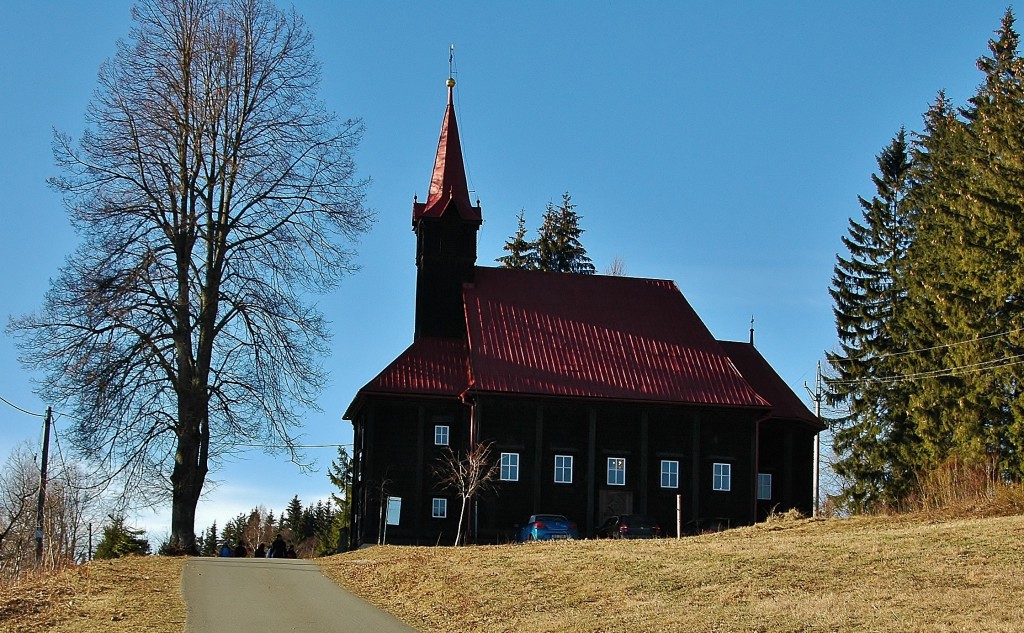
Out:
{"x": 863, "y": 574}
{"x": 905, "y": 573}
{"x": 134, "y": 594}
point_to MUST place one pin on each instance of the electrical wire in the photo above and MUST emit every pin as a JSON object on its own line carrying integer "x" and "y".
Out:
{"x": 936, "y": 373}
{"x": 14, "y": 406}
{"x": 287, "y": 446}
{"x": 935, "y": 347}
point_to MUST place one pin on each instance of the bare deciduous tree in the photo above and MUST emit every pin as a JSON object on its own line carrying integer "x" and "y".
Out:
{"x": 19, "y": 483}
{"x": 617, "y": 268}
{"x": 211, "y": 190}
{"x": 70, "y": 504}
{"x": 258, "y": 529}
{"x": 468, "y": 474}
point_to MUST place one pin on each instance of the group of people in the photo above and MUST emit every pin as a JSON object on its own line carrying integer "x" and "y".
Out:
{"x": 277, "y": 549}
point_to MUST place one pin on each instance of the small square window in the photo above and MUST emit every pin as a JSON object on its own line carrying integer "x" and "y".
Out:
{"x": 563, "y": 469}
{"x": 440, "y": 508}
{"x": 441, "y": 435}
{"x": 669, "y": 473}
{"x": 616, "y": 471}
{"x": 722, "y": 477}
{"x": 764, "y": 486}
{"x": 510, "y": 466}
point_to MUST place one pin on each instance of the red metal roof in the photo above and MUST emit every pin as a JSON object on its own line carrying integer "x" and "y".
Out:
{"x": 785, "y": 404}
{"x": 428, "y": 367}
{"x": 595, "y": 336}
{"x": 588, "y": 336}
{"x": 448, "y": 181}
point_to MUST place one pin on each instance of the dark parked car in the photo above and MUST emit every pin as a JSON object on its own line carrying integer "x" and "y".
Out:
{"x": 546, "y": 527}
{"x": 629, "y": 526}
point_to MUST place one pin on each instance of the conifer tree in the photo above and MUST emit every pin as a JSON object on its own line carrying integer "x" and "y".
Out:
{"x": 874, "y": 434}
{"x": 234, "y": 530}
{"x": 940, "y": 169}
{"x": 209, "y": 541}
{"x": 120, "y": 540}
{"x": 931, "y": 330}
{"x": 340, "y": 475}
{"x": 522, "y": 253}
{"x": 292, "y": 519}
{"x": 966, "y": 296}
{"x": 558, "y": 245}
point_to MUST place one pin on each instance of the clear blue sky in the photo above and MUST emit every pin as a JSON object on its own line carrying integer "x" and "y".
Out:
{"x": 718, "y": 144}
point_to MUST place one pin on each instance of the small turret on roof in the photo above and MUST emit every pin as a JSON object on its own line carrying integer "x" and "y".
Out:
{"x": 448, "y": 185}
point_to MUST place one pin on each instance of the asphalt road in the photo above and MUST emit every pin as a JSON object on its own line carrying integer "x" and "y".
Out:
{"x": 249, "y": 595}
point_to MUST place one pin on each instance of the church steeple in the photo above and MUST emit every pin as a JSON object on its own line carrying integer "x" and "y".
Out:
{"x": 446, "y": 227}
{"x": 448, "y": 182}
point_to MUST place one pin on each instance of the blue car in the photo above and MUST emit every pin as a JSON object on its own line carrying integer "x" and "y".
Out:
{"x": 547, "y": 527}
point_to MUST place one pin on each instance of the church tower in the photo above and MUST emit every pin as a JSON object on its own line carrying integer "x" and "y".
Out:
{"x": 446, "y": 227}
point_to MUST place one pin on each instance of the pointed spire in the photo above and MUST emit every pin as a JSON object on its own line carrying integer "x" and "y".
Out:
{"x": 448, "y": 182}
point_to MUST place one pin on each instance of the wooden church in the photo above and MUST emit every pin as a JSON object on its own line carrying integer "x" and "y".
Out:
{"x": 599, "y": 395}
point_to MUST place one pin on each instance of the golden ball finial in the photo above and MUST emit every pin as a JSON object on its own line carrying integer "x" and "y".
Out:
{"x": 450, "y": 83}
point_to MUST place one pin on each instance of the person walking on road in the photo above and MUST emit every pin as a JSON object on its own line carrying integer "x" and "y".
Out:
{"x": 278, "y": 549}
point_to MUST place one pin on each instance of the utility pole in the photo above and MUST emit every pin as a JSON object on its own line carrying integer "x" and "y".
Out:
{"x": 816, "y": 396}
{"x": 42, "y": 485}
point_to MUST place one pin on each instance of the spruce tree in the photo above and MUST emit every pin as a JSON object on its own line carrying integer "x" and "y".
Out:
{"x": 120, "y": 540}
{"x": 967, "y": 266}
{"x": 522, "y": 253}
{"x": 209, "y": 546}
{"x": 873, "y": 435}
{"x": 292, "y": 519}
{"x": 340, "y": 475}
{"x": 558, "y": 245}
{"x": 234, "y": 530}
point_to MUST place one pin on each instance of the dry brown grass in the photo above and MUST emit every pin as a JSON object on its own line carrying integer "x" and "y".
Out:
{"x": 908, "y": 573}
{"x": 903, "y": 573}
{"x": 135, "y": 594}
{"x": 957, "y": 489}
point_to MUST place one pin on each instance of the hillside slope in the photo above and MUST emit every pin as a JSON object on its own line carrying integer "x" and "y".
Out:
{"x": 137, "y": 594}
{"x": 862, "y": 574}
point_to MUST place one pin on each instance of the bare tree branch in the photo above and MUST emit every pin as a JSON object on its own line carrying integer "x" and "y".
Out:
{"x": 468, "y": 474}
{"x": 211, "y": 190}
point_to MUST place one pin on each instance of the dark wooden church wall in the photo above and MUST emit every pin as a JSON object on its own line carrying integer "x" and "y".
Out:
{"x": 725, "y": 437}
{"x": 787, "y": 453}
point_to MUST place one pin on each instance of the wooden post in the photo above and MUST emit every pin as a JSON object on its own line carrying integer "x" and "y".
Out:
{"x": 42, "y": 486}
{"x": 679, "y": 516}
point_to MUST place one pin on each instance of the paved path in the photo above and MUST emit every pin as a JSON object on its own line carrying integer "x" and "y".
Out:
{"x": 249, "y": 595}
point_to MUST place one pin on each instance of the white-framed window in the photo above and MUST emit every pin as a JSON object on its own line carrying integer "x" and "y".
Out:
{"x": 394, "y": 513}
{"x": 440, "y": 435}
{"x": 722, "y": 477}
{"x": 616, "y": 471}
{"x": 669, "y": 473}
{"x": 439, "y": 509}
{"x": 764, "y": 486}
{"x": 563, "y": 469}
{"x": 510, "y": 466}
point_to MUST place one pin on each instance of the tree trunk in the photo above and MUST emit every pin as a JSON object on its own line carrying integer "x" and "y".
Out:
{"x": 462, "y": 519}
{"x": 189, "y": 474}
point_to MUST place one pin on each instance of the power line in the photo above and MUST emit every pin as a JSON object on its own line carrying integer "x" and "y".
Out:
{"x": 228, "y": 444}
{"x": 288, "y": 446}
{"x": 951, "y": 371}
{"x": 14, "y": 406}
{"x": 935, "y": 347}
